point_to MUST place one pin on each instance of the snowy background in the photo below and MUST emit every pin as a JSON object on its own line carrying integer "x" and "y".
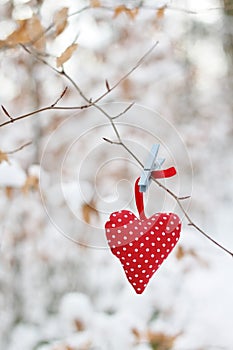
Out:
{"x": 60, "y": 286}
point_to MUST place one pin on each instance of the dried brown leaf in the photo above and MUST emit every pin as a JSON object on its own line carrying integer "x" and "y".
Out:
{"x": 202, "y": 261}
{"x": 28, "y": 31}
{"x": 60, "y": 20}
{"x": 161, "y": 341}
{"x": 131, "y": 13}
{"x": 20, "y": 35}
{"x": 88, "y": 211}
{"x": 66, "y": 55}
{"x": 79, "y": 325}
{"x": 38, "y": 38}
{"x": 31, "y": 184}
{"x": 95, "y": 3}
{"x": 3, "y": 157}
{"x": 137, "y": 334}
{"x": 118, "y": 10}
{"x": 180, "y": 253}
{"x": 9, "y": 192}
{"x": 127, "y": 88}
{"x": 160, "y": 12}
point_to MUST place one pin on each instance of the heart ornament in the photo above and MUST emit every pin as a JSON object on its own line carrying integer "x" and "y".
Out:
{"x": 142, "y": 244}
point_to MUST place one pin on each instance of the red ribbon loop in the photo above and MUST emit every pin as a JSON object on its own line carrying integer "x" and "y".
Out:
{"x": 139, "y": 201}
{"x": 157, "y": 174}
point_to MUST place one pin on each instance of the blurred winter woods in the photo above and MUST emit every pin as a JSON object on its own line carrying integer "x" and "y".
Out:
{"x": 60, "y": 287}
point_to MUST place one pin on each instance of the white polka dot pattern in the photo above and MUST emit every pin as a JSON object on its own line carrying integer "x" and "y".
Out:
{"x": 142, "y": 252}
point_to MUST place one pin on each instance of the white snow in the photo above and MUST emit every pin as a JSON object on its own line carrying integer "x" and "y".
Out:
{"x": 11, "y": 174}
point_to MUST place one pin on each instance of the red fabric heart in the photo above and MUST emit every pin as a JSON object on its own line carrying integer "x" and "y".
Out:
{"x": 142, "y": 244}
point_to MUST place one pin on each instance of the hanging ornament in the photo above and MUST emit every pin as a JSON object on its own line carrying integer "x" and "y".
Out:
{"x": 142, "y": 244}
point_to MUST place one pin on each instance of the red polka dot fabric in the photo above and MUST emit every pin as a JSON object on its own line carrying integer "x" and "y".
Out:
{"x": 142, "y": 245}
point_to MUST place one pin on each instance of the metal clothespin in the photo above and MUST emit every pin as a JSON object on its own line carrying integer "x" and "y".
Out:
{"x": 150, "y": 165}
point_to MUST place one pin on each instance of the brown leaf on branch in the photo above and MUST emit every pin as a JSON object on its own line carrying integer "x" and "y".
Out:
{"x": 20, "y": 35}
{"x": 95, "y": 3}
{"x": 131, "y": 13}
{"x": 60, "y": 20}
{"x": 160, "y": 12}
{"x": 35, "y": 27}
{"x": 28, "y": 31}
{"x": 3, "y": 157}
{"x": 66, "y": 55}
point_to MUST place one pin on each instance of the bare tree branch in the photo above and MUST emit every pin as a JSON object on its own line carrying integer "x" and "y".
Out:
{"x": 121, "y": 143}
{"x": 146, "y": 7}
{"x": 89, "y": 101}
{"x": 189, "y": 220}
{"x": 112, "y": 142}
{"x": 114, "y": 127}
{"x": 124, "y": 111}
{"x": 19, "y": 148}
{"x": 60, "y": 97}
{"x": 47, "y": 108}
{"x": 184, "y": 197}
{"x": 139, "y": 62}
{"x": 6, "y": 113}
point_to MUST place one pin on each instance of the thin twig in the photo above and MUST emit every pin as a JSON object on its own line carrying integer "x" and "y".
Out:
{"x": 124, "y": 111}
{"x": 43, "y": 109}
{"x": 108, "y": 116}
{"x": 190, "y": 221}
{"x": 85, "y": 8}
{"x": 125, "y": 76}
{"x": 151, "y": 8}
{"x": 184, "y": 197}
{"x": 112, "y": 142}
{"x": 60, "y": 97}
{"x": 107, "y": 85}
{"x": 19, "y": 148}
{"x": 6, "y": 113}
{"x": 89, "y": 101}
